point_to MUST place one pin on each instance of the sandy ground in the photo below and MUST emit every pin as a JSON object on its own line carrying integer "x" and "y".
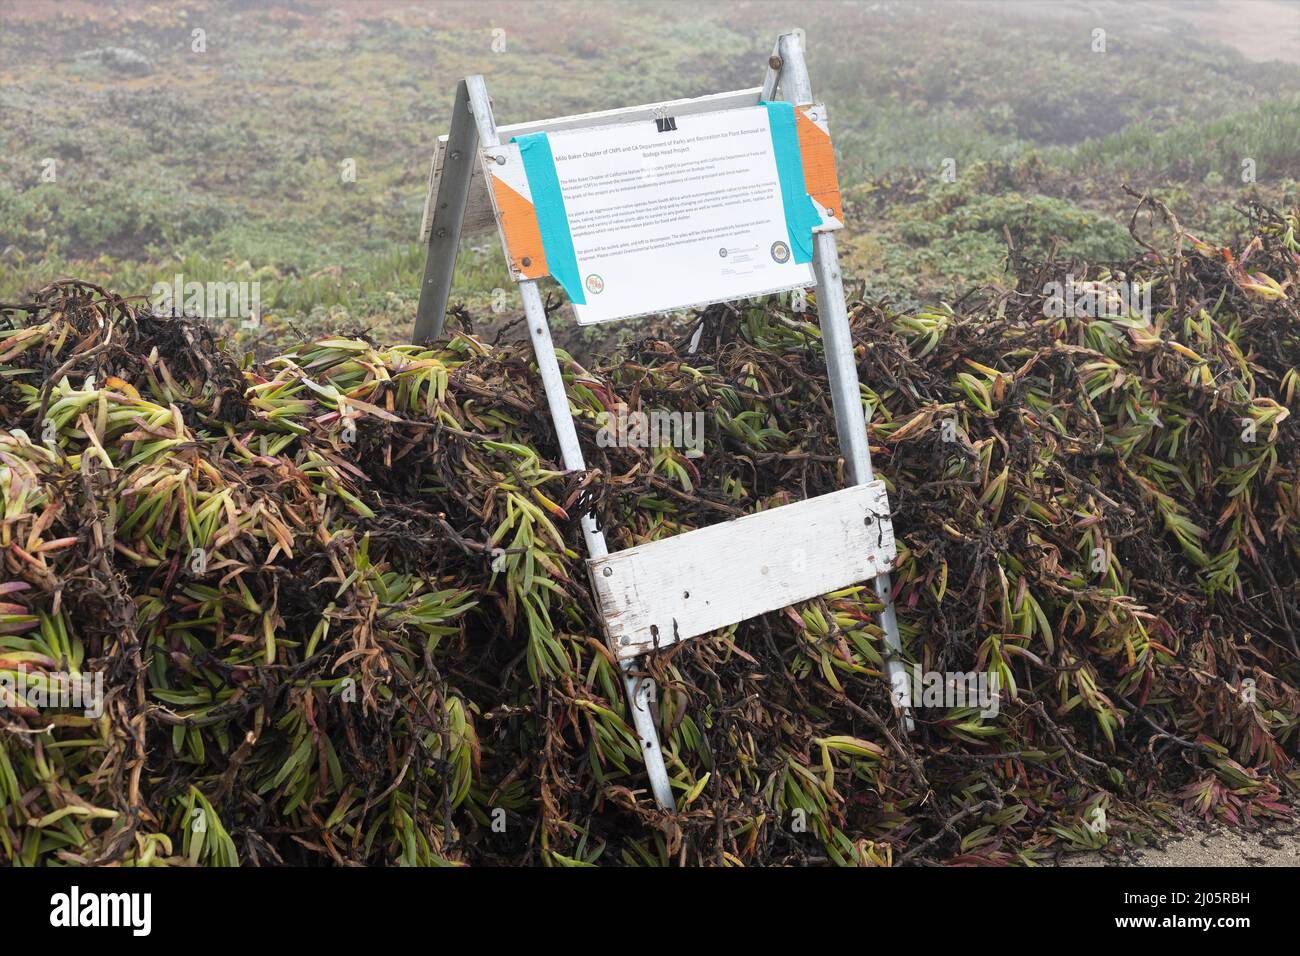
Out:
{"x": 1260, "y": 30}
{"x": 1209, "y": 845}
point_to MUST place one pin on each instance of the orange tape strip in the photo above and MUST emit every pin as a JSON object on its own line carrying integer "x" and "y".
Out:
{"x": 523, "y": 237}
{"x": 819, "y": 175}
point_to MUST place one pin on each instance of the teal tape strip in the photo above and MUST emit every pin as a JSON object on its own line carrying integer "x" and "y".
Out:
{"x": 801, "y": 216}
{"x": 552, "y": 220}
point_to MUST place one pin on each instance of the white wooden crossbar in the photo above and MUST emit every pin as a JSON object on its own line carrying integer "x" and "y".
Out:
{"x": 656, "y": 594}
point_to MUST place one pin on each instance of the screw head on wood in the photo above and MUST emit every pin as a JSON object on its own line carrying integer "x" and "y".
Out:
{"x": 501, "y": 160}
{"x": 774, "y": 62}
{"x": 442, "y": 233}
{"x": 528, "y": 262}
{"x": 608, "y": 571}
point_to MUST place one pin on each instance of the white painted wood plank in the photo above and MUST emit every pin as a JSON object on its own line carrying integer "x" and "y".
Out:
{"x": 675, "y": 588}
{"x": 478, "y": 212}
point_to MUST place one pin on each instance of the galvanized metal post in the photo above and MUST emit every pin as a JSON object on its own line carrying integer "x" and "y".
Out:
{"x": 639, "y": 689}
{"x": 448, "y": 214}
{"x": 789, "y": 71}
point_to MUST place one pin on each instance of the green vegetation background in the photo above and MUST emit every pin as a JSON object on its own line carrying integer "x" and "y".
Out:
{"x": 226, "y": 164}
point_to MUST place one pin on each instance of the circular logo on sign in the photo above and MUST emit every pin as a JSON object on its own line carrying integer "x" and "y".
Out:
{"x": 723, "y": 252}
{"x": 595, "y": 284}
{"x": 780, "y": 252}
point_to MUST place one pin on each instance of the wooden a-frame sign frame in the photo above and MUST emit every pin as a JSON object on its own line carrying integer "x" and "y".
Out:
{"x": 653, "y": 595}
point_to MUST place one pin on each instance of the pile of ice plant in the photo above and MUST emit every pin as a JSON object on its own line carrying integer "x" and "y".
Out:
{"x": 339, "y": 604}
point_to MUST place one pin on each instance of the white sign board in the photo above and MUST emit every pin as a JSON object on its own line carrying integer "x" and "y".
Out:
{"x": 634, "y": 220}
{"x": 662, "y": 221}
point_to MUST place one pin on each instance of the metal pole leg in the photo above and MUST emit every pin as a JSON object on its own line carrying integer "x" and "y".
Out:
{"x": 851, "y": 423}
{"x": 639, "y": 689}
{"x": 791, "y": 74}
